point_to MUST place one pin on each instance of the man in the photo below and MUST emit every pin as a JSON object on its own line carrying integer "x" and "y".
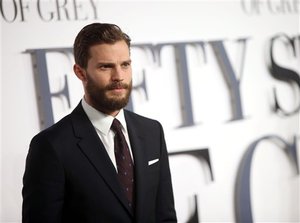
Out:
{"x": 100, "y": 163}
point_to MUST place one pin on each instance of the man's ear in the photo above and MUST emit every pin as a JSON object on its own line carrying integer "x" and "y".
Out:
{"x": 80, "y": 72}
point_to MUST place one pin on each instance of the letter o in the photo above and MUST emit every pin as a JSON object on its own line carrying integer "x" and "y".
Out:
{"x": 15, "y": 11}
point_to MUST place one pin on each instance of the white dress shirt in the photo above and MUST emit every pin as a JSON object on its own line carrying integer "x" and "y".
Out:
{"x": 102, "y": 123}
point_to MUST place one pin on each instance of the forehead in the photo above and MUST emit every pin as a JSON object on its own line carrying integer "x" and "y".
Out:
{"x": 110, "y": 52}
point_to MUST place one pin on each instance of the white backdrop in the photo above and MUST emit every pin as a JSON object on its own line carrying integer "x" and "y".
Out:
{"x": 274, "y": 179}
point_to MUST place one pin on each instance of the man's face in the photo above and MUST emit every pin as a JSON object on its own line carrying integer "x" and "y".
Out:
{"x": 108, "y": 80}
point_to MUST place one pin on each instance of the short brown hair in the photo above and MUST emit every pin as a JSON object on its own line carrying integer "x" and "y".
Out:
{"x": 96, "y": 33}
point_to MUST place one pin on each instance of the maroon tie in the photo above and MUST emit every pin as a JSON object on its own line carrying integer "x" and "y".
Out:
{"x": 124, "y": 162}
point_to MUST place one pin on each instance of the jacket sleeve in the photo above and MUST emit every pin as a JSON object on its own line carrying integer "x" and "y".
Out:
{"x": 165, "y": 200}
{"x": 43, "y": 184}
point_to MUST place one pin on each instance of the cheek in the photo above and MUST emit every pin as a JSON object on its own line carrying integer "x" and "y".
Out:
{"x": 101, "y": 79}
{"x": 96, "y": 81}
{"x": 97, "y": 78}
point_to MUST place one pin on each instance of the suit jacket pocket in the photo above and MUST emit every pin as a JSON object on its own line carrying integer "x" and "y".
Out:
{"x": 153, "y": 167}
{"x": 153, "y": 175}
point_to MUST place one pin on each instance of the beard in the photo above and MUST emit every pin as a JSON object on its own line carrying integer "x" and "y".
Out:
{"x": 103, "y": 100}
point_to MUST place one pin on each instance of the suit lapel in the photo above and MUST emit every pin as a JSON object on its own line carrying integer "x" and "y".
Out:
{"x": 140, "y": 162}
{"x": 92, "y": 147}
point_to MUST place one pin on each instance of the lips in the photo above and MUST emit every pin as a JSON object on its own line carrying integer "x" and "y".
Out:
{"x": 117, "y": 86}
{"x": 118, "y": 89}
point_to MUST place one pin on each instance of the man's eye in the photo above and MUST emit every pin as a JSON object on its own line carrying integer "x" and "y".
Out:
{"x": 126, "y": 65}
{"x": 104, "y": 67}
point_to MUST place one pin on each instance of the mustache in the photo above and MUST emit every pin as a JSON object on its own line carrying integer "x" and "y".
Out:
{"x": 117, "y": 85}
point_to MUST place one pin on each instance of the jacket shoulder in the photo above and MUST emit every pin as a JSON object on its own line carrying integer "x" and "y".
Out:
{"x": 131, "y": 116}
{"x": 142, "y": 123}
{"x": 63, "y": 127}
{"x": 56, "y": 131}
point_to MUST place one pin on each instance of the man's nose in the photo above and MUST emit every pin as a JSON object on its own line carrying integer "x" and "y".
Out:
{"x": 117, "y": 73}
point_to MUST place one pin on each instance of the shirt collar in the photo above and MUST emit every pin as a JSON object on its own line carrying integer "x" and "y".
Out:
{"x": 102, "y": 121}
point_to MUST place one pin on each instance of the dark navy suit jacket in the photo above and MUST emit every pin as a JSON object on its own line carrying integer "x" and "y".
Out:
{"x": 69, "y": 176}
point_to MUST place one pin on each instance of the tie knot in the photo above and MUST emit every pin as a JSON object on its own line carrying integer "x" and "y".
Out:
{"x": 116, "y": 126}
